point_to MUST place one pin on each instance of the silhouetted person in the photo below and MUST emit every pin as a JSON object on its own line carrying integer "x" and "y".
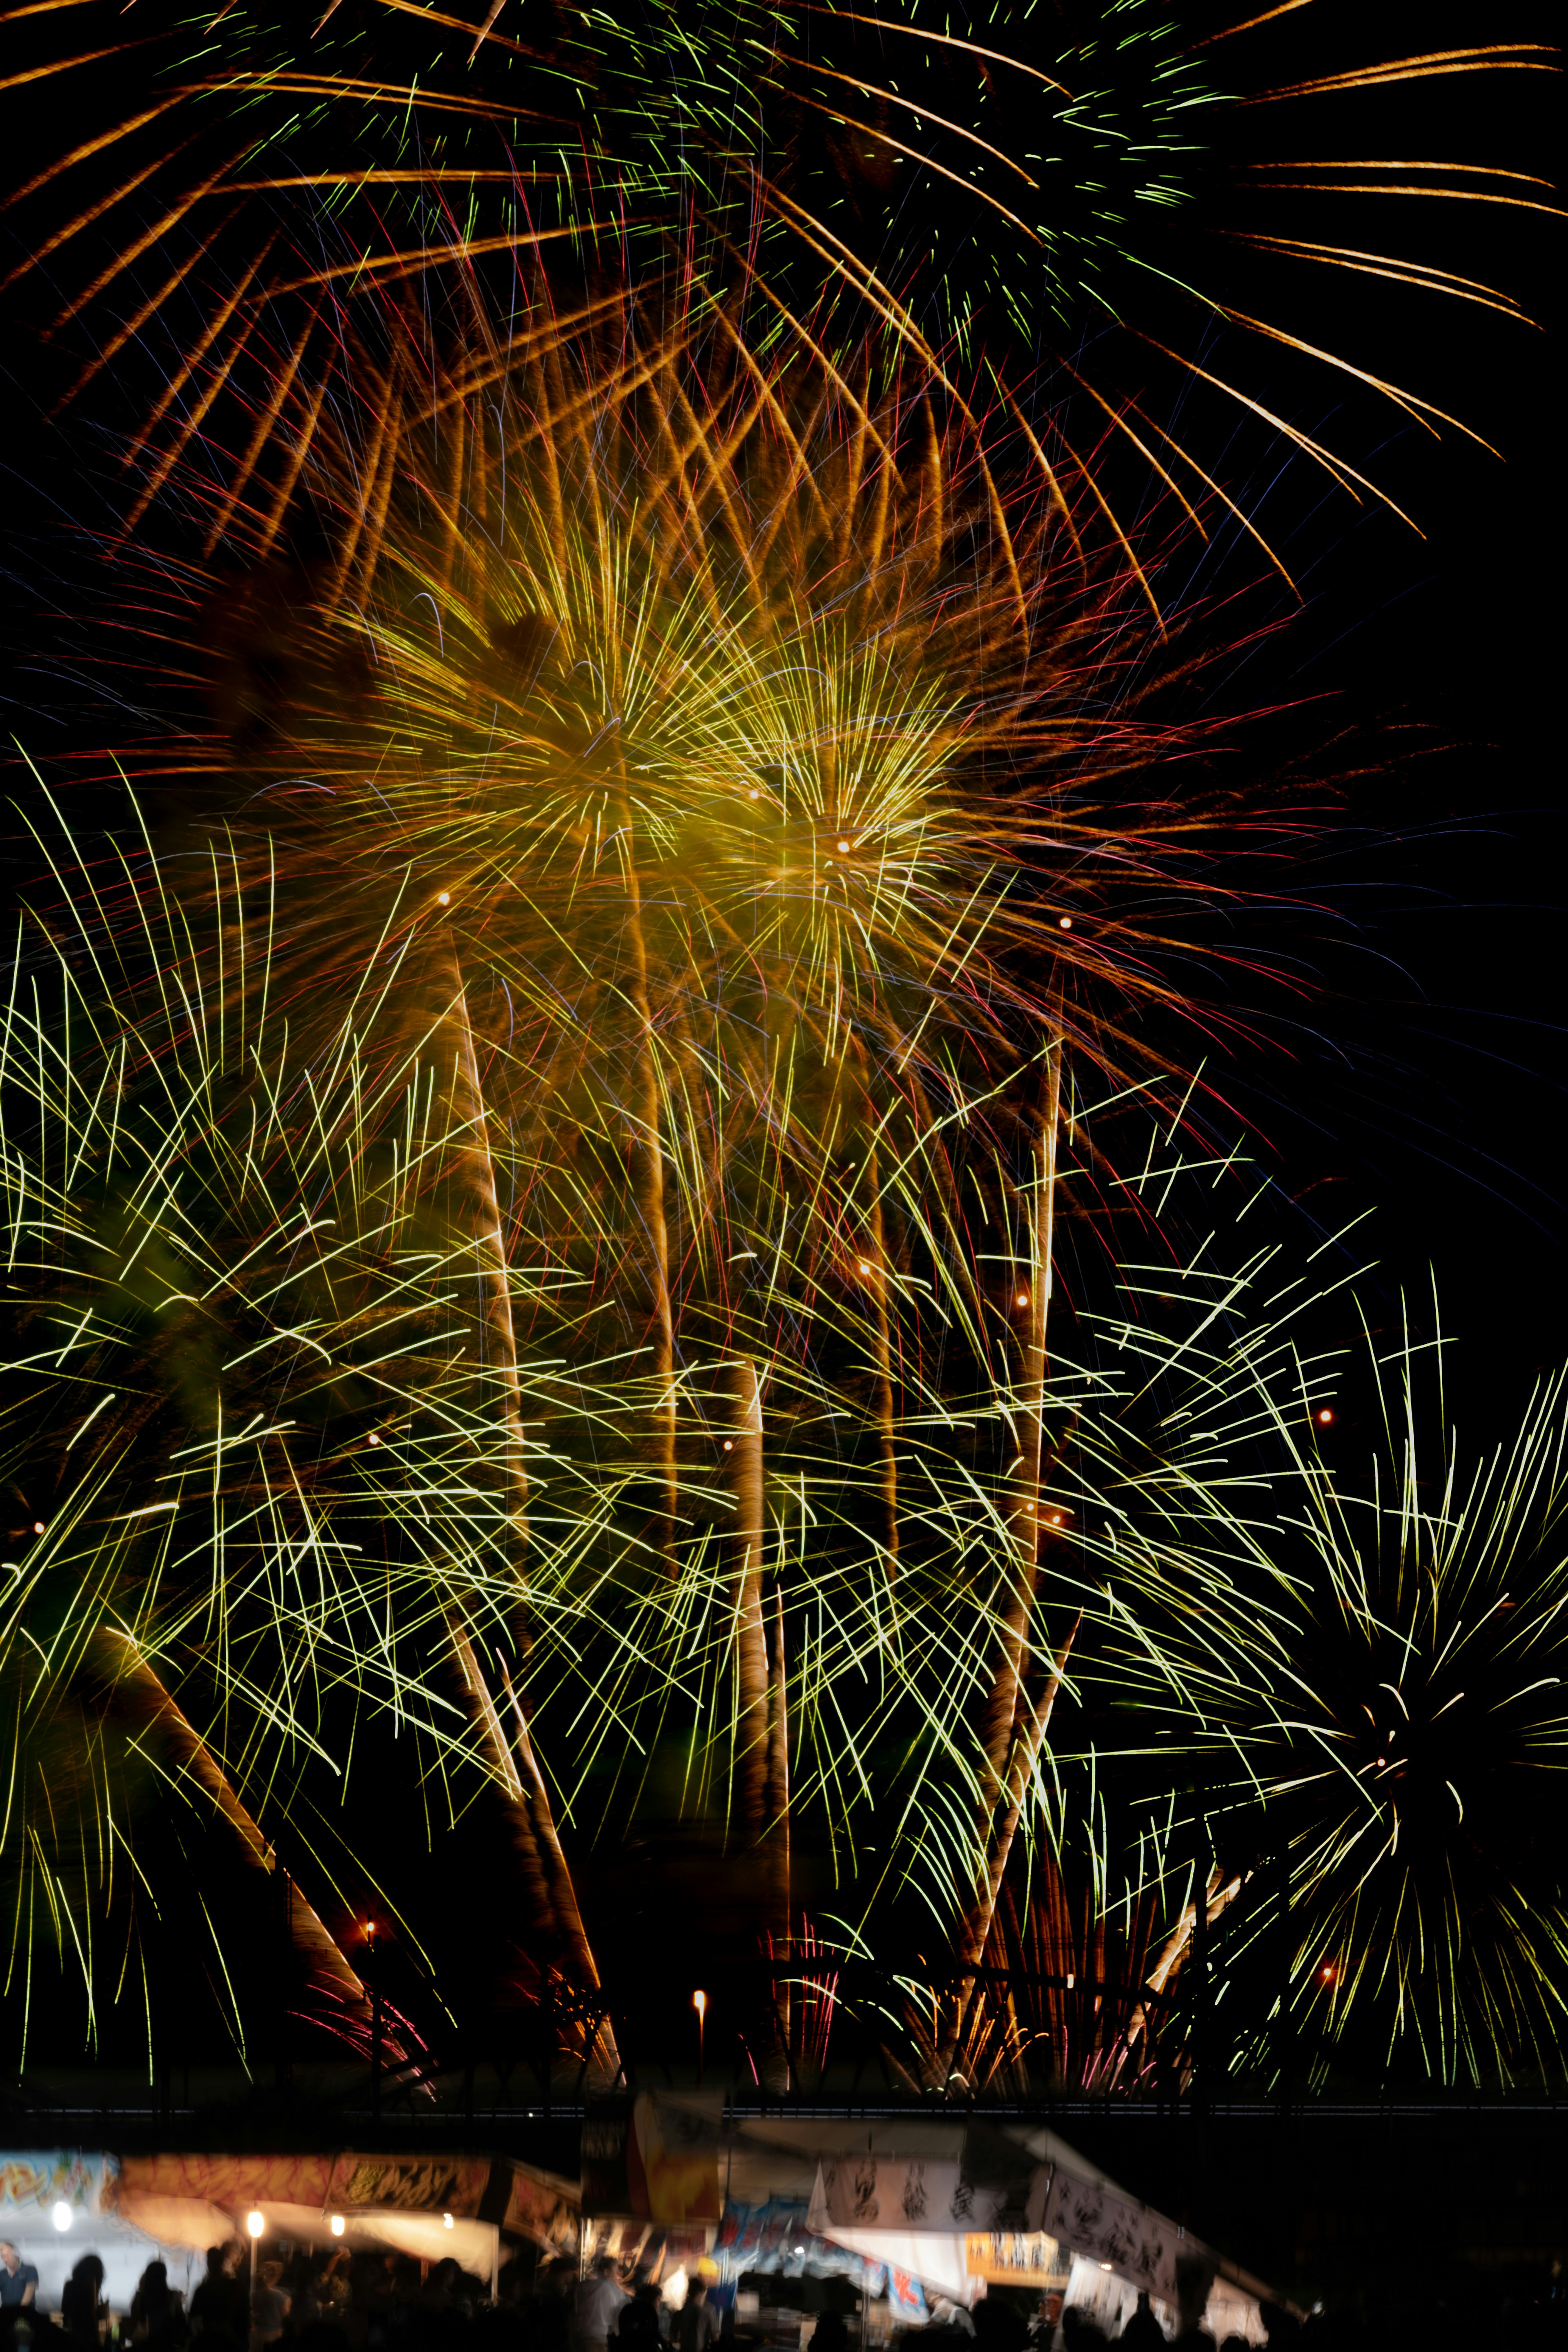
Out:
{"x": 156, "y": 2316}
{"x": 82, "y": 2301}
{"x": 637, "y": 2327}
{"x": 998, "y": 2327}
{"x": 696, "y": 2325}
{"x": 1142, "y": 2330}
{"x": 220, "y": 2307}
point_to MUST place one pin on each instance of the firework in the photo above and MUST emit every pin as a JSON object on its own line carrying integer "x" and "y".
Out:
{"x": 769, "y": 806}
{"x": 1381, "y": 1657}
{"x": 255, "y": 1420}
{"x": 823, "y": 173}
{"x": 700, "y": 778}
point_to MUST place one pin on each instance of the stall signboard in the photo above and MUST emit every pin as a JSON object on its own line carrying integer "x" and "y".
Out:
{"x": 33, "y": 2184}
{"x": 1015, "y": 2258}
{"x": 354, "y": 2183}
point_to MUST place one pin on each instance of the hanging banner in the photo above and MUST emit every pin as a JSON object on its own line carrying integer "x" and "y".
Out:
{"x": 535, "y": 2207}
{"x": 774, "y": 2240}
{"x": 907, "y": 2297}
{"x": 605, "y": 2188}
{"x": 996, "y": 2176}
{"x": 890, "y": 2192}
{"x": 32, "y": 2185}
{"x": 1139, "y": 2243}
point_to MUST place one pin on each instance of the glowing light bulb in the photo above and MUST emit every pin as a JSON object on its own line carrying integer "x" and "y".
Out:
{"x": 1064, "y": 922}
{"x": 256, "y": 2223}
{"x": 1056, "y": 1518}
{"x": 62, "y": 2216}
{"x": 373, "y": 1438}
{"x": 336, "y": 2225}
{"x": 39, "y": 1527}
{"x": 446, "y": 2221}
{"x": 1325, "y": 1416}
{"x": 729, "y": 1446}
{"x": 843, "y": 845}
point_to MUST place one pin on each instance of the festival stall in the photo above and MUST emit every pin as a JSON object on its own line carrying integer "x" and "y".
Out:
{"x": 949, "y": 2208}
{"x": 56, "y": 2205}
{"x": 907, "y": 2213}
{"x": 429, "y": 2207}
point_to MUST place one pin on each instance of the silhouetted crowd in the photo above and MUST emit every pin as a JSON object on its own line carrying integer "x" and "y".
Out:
{"x": 380, "y": 2301}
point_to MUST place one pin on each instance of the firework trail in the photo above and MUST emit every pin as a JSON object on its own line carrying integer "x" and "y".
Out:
{"x": 977, "y": 198}
{"x": 253, "y": 1411}
{"x": 701, "y": 777}
{"x": 1369, "y": 1673}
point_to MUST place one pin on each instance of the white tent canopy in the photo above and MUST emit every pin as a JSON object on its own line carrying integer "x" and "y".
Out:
{"x": 894, "y": 2191}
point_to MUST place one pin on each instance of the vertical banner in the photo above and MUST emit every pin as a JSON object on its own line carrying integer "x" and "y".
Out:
{"x": 674, "y": 2149}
